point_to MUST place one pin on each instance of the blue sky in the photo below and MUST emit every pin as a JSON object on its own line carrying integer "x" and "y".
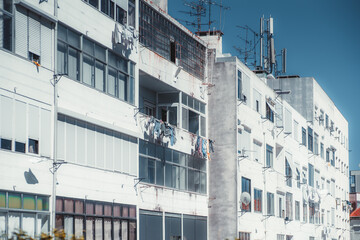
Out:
{"x": 322, "y": 38}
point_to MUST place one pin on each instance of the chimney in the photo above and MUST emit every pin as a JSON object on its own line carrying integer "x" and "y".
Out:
{"x": 163, "y": 4}
{"x": 213, "y": 40}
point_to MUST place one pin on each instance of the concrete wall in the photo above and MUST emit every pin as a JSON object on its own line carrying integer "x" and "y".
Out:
{"x": 223, "y": 166}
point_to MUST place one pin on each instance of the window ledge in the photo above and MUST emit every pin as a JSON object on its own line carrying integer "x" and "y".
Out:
{"x": 172, "y": 189}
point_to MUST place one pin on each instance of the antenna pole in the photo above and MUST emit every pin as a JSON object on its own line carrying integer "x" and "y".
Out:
{"x": 261, "y": 40}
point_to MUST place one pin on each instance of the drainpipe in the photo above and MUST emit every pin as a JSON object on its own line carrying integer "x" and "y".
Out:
{"x": 52, "y": 226}
{"x": 264, "y": 179}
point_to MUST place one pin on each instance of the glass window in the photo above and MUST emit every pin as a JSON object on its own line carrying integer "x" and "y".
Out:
{"x": 246, "y": 187}
{"x": 269, "y": 156}
{"x": 303, "y": 134}
{"x": 6, "y": 27}
{"x": 311, "y": 175}
{"x": 29, "y": 202}
{"x": 33, "y": 146}
{"x": 74, "y": 64}
{"x": 122, "y": 86}
{"x": 20, "y": 147}
{"x": 310, "y": 139}
{"x": 14, "y": 200}
{"x": 173, "y": 227}
{"x": 270, "y": 204}
{"x": 2, "y": 199}
{"x": 131, "y": 10}
{"x": 297, "y": 210}
{"x": 88, "y": 70}
{"x": 121, "y": 15}
{"x": 61, "y": 56}
{"x": 150, "y": 226}
{"x": 94, "y": 3}
{"x": 112, "y": 82}
{"x": 100, "y": 76}
{"x": 257, "y": 200}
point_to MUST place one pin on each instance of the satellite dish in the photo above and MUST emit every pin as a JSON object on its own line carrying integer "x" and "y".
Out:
{"x": 245, "y": 198}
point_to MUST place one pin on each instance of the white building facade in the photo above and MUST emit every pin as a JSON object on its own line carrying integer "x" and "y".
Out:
{"x": 280, "y": 170}
{"x": 102, "y": 112}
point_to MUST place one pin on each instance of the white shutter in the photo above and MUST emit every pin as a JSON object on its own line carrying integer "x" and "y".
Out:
{"x": 100, "y": 149}
{"x": 117, "y": 153}
{"x": 133, "y": 156}
{"x": 45, "y": 140}
{"x": 34, "y": 33}
{"x": 33, "y": 122}
{"x": 90, "y": 136}
{"x": 109, "y": 163}
{"x": 279, "y": 120}
{"x": 80, "y": 146}
{"x": 288, "y": 121}
{"x": 125, "y": 154}
{"x": 6, "y": 116}
{"x": 61, "y": 140}
{"x": 20, "y": 121}
{"x": 46, "y": 43}
{"x": 21, "y": 32}
{"x": 70, "y": 141}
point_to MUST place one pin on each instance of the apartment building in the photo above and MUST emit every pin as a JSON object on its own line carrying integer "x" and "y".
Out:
{"x": 280, "y": 170}
{"x": 102, "y": 121}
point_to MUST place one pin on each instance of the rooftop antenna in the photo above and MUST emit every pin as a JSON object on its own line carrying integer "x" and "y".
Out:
{"x": 221, "y": 6}
{"x": 198, "y": 10}
{"x": 249, "y": 51}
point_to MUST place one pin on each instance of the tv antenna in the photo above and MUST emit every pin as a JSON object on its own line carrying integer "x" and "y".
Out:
{"x": 249, "y": 50}
{"x": 200, "y": 9}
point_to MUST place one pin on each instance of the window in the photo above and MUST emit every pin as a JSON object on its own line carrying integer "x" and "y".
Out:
{"x": 257, "y": 200}
{"x": 244, "y": 236}
{"x": 24, "y": 210}
{"x": 131, "y": 13}
{"x": 246, "y": 187}
{"x": 289, "y": 206}
{"x": 327, "y": 155}
{"x": 68, "y": 53}
{"x": 33, "y": 37}
{"x": 163, "y": 166}
{"x": 288, "y": 173}
{"x": 20, "y": 147}
{"x": 316, "y": 144}
{"x": 333, "y": 158}
{"x": 193, "y": 115}
{"x": 311, "y": 212}
{"x": 172, "y": 226}
{"x": 239, "y": 82}
{"x": 269, "y": 112}
{"x": 321, "y": 118}
{"x": 297, "y": 210}
{"x": 33, "y": 146}
{"x": 332, "y": 216}
{"x": 322, "y": 150}
{"x": 311, "y": 175}
{"x": 332, "y": 190}
{"x": 305, "y": 216}
{"x": 269, "y": 156}
{"x": 326, "y": 121}
{"x": 280, "y": 237}
{"x": 310, "y": 139}
{"x": 270, "y": 204}
{"x": 6, "y": 144}
{"x": 95, "y": 219}
{"x": 96, "y": 66}
{"x": 194, "y": 227}
{"x": 257, "y": 151}
{"x": 6, "y": 35}
{"x": 121, "y": 15}
{"x": 303, "y": 134}
{"x": 281, "y": 203}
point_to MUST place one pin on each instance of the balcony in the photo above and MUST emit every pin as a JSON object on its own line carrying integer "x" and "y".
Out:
{"x": 168, "y": 116}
